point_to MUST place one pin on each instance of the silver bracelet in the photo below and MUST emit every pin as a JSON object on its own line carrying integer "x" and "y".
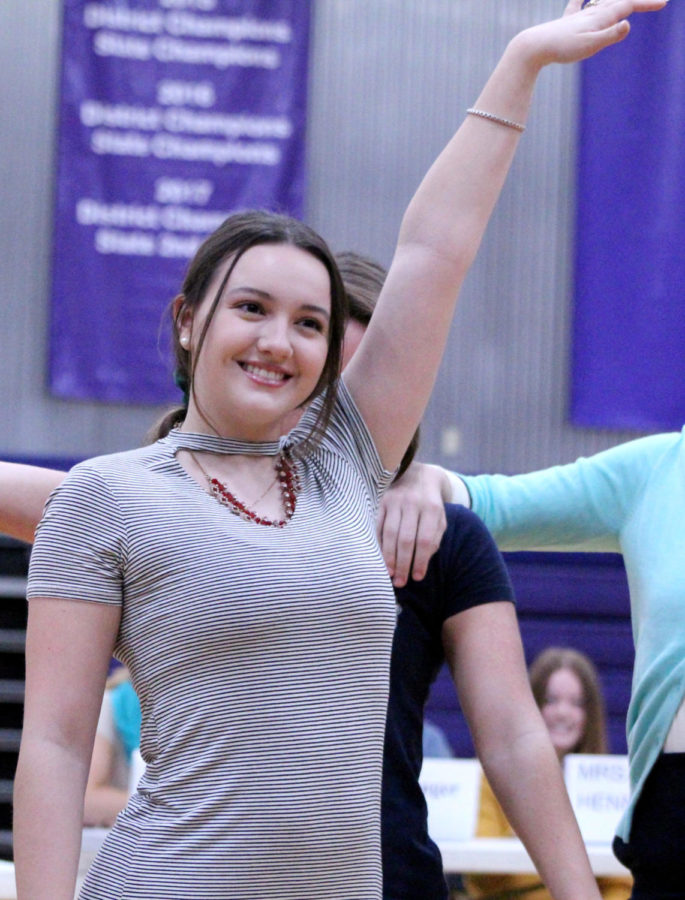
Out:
{"x": 497, "y": 119}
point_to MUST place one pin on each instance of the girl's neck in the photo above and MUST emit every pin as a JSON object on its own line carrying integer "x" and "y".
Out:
{"x": 232, "y": 430}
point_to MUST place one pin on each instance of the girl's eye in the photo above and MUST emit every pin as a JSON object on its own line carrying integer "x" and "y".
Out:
{"x": 250, "y": 306}
{"x": 313, "y": 324}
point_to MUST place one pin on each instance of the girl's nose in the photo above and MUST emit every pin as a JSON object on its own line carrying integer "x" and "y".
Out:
{"x": 274, "y": 340}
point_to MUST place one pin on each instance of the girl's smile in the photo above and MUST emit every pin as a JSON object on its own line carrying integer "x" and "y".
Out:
{"x": 564, "y": 710}
{"x": 263, "y": 374}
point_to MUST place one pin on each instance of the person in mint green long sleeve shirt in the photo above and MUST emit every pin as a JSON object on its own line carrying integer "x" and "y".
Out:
{"x": 628, "y": 500}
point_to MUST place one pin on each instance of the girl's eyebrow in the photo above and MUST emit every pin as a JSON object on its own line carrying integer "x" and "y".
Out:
{"x": 311, "y": 307}
{"x": 265, "y": 295}
{"x": 246, "y": 289}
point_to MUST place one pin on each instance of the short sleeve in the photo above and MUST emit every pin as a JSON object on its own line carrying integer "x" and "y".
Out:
{"x": 78, "y": 553}
{"x": 472, "y": 570}
{"x": 348, "y": 437}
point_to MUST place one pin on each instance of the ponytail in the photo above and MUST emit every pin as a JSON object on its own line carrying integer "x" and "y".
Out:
{"x": 164, "y": 425}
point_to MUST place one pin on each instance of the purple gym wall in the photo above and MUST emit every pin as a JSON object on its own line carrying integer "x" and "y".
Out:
{"x": 628, "y": 369}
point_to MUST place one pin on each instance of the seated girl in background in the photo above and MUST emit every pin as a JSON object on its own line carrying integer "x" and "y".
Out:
{"x": 566, "y": 688}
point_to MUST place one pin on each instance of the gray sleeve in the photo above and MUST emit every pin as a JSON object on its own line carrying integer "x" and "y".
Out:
{"x": 79, "y": 549}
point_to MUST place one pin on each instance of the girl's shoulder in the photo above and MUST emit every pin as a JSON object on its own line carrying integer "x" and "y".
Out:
{"x": 137, "y": 459}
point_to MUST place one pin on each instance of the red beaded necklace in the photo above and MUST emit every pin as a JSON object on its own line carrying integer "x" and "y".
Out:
{"x": 289, "y": 483}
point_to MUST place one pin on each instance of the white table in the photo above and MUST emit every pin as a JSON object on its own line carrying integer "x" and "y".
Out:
{"x": 8, "y": 887}
{"x": 508, "y": 855}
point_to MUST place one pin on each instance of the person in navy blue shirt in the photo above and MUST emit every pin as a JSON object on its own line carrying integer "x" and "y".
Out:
{"x": 465, "y": 573}
{"x": 461, "y": 610}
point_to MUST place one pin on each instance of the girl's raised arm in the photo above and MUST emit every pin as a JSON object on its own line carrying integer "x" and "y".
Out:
{"x": 391, "y": 375}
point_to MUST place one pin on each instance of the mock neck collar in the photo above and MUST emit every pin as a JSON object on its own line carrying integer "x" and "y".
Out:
{"x": 212, "y": 443}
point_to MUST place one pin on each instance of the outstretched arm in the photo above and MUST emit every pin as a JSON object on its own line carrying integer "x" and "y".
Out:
{"x": 391, "y": 375}
{"x": 484, "y": 652}
{"x": 578, "y": 506}
{"x": 23, "y": 492}
{"x": 584, "y": 505}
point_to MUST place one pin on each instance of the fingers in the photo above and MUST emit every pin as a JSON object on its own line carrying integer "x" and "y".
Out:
{"x": 611, "y": 34}
{"x": 624, "y": 7}
{"x": 405, "y": 542}
{"x": 583, "y": 33}
{"x": 647, "y": 5}
{"x": 389, "y": 517}
{"x": 616, "y": 32}
{"x": 609, "y": 18}
{"x": 615, "y": 14}
{"x": 620, "y": 9}
{"x": 411, "y": 521}
{"x": 428, "y": 536}
{"x": 408, "y": 541}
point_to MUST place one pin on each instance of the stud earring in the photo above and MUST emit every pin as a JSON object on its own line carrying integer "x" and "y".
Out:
{"x": 183, "y": 340}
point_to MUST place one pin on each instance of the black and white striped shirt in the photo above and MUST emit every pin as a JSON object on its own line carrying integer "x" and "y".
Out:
{"x": 261, "y": 659}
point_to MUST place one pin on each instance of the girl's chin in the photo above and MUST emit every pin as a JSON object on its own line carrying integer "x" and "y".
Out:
{"x": 564, "y": 748}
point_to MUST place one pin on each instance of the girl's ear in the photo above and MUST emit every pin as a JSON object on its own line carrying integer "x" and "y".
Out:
{"x": 183, "y": 319}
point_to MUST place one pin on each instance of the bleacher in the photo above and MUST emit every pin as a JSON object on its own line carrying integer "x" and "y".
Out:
{"x": 13, "y": 566}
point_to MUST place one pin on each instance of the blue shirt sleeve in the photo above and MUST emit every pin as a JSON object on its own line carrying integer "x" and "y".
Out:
{"x": 471, "y": 570}
{"x": 580, "y": 506}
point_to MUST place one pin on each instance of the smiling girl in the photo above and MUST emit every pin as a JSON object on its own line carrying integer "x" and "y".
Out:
{"x": 237, "y": 573}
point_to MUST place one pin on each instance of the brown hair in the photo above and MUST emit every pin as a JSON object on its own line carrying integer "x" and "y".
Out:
{"x": 594, "y": 739}
{"x": 237, "y": 234}
{"x": 363, "y": 278}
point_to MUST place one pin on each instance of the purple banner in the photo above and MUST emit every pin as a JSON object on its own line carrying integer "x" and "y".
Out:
{"x": 629, "y": 318}
{"x": 173, "y": 114}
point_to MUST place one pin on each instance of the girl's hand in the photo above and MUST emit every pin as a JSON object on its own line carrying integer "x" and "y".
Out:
{"x": 581, "y": 31}
{"x": 411, "y": 521}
